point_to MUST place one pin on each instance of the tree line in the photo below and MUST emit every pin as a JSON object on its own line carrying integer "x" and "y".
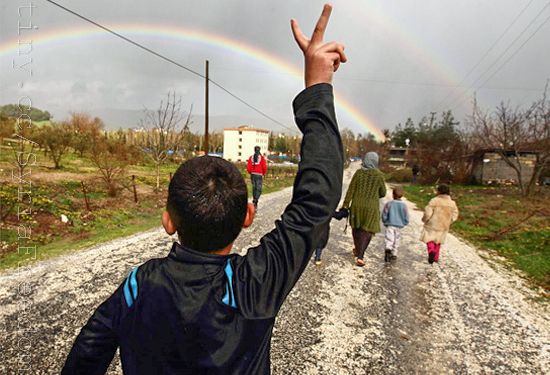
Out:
{"x": 441, "y": 146}
{"x": 446, "y": 151}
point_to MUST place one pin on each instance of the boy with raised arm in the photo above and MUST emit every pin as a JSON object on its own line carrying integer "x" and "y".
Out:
{"x": 202, "y": 310}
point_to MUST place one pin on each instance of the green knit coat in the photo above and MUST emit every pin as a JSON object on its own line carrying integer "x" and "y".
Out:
{"x": 364, "y": 192}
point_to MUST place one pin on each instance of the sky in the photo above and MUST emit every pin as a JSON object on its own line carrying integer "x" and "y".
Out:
{"x": 406, "y": 59}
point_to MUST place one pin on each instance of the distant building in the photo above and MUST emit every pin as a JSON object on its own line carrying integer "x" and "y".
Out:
{"x": 397, "y": 157}
{"x": 238, "y": 143}
{"x": 489, "y": 167}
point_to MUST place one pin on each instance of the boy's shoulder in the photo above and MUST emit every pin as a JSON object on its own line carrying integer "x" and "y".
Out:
{"x": 442, "y": 200}
{"x": 144, "y": 271}
{"x": 400, "y": 203}
{"x": 434, "y": 200}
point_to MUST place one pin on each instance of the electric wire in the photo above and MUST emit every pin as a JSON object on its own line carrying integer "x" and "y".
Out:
{"x": 167, "y": 59}
{"x": 509, "y": 58}
{"x": 497, "y": 60}
{"x": 444, "y": 100}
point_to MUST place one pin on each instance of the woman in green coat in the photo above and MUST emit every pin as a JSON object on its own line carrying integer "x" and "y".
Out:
{"x": 364, "y": 192}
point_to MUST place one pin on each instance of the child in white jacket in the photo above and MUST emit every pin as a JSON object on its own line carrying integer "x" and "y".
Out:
{"x": 439, "y": 214}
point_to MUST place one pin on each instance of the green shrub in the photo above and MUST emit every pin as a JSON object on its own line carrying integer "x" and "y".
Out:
{"x": 399, "y": 175}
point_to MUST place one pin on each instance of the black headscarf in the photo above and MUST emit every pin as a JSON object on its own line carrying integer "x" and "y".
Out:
{"x": 256, "y": 154}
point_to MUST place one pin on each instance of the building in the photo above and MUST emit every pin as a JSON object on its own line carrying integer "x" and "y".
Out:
{"x": 490, "y": 168}
{"x": 239, "y": 143}
{"x": 397, "y": 157}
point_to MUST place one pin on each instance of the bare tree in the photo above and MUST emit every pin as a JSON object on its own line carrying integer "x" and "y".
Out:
{"x": 511, "y": 132}
{"x": 166, "y": 129}
{"x": 349, "y": 143}
{"x": 111, "y": 156}
{"x": 538, "y": 129}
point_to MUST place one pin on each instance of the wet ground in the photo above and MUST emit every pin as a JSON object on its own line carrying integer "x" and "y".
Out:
{"x": 458, "y": 317}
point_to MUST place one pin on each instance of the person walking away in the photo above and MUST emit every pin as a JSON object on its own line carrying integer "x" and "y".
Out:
{"x": 257, "y": 167}
{"x": 363, "y": 200}
{"x": 439, "y": 214}
{"x": 395, "y": 217}
{"x": 415, "y": 172}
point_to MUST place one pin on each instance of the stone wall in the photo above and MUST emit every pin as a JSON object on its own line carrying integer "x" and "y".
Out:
{"x": 491, "y": 168}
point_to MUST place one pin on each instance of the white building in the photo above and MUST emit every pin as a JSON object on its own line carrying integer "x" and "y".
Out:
{"x": 239, "y": 143}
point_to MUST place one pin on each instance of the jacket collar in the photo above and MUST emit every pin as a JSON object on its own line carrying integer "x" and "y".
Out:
{"x": 188, "y": 255}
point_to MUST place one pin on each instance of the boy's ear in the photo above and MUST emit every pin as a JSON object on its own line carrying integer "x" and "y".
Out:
{"x": 250, "y": 212}
{"x": 168, "y": 224}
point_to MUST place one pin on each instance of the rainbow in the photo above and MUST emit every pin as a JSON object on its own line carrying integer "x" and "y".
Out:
{"x": 371, "y": 13}
{"x": 194, "y": 36}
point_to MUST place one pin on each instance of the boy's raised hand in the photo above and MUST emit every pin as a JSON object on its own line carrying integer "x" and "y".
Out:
{"x": 321, "y": 59}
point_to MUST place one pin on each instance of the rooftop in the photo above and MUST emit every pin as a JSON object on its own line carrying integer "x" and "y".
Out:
{"x": 245, "y": 128}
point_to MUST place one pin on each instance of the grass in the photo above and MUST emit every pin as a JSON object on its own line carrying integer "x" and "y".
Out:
{"x": 497, "y": 219}
{"x": 99, "y": 234}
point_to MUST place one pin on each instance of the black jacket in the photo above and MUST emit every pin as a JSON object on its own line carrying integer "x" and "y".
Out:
{"x": 198, "y": 313}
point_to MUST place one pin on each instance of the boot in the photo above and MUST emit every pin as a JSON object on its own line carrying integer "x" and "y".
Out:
{"x": 387, "y": 255}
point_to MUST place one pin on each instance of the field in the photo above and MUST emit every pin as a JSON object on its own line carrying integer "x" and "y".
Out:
{"x": 60, "y": 192}
{"x": 498, "y": 219}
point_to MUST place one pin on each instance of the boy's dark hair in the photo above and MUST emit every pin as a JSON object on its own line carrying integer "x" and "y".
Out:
{"x": 207, "y": 200}
{"x": 398, "y": 192}
{"x": 444, "y": 189}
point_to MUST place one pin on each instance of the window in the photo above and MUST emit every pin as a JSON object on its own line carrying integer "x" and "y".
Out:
{"x": 240, "y": 133}
{"x": 240, "y": 139}
{"x": 240, "y": 153}
{"x": 240, "y": 147}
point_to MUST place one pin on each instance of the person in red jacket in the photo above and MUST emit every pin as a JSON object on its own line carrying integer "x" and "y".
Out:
{"x": 257, "y": 167}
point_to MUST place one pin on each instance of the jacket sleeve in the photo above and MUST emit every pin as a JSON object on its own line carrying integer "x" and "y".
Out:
{"x": 382, "y": 188}
{"x": 428, "y": 212}
{"x": 264, "y": 277}
{"x": 455, "y": 213}
{"x": 264, "y": 166}
{"x": 249, "y": 165}
{"x": 351, "y": 190}
{"x": 385, "y": 213}
{"x": 405, "y": 214}
{"x": 96, "y": 344}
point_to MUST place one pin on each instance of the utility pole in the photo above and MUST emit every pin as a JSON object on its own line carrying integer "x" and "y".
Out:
{"x": 206, "y": 111}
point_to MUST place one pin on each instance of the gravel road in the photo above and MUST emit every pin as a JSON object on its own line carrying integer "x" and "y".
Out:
{"x": 463, "y": 316}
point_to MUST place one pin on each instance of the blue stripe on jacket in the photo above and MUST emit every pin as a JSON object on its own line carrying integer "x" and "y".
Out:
{"x": 229, "y": 296}
{"x": 131, "y": 288}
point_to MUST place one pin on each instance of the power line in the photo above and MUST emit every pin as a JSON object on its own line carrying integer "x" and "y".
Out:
{"x": 380, "y": 81}
{"x": 433, "y": 84}
{"x": 510, "y": 57}
{"x": 503, "y": 54}
{"x": 486, "y": 52}
{"x": 136, "y": 44}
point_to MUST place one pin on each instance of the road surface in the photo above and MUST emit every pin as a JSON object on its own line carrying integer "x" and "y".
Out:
{"x": 463, "y": 316}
